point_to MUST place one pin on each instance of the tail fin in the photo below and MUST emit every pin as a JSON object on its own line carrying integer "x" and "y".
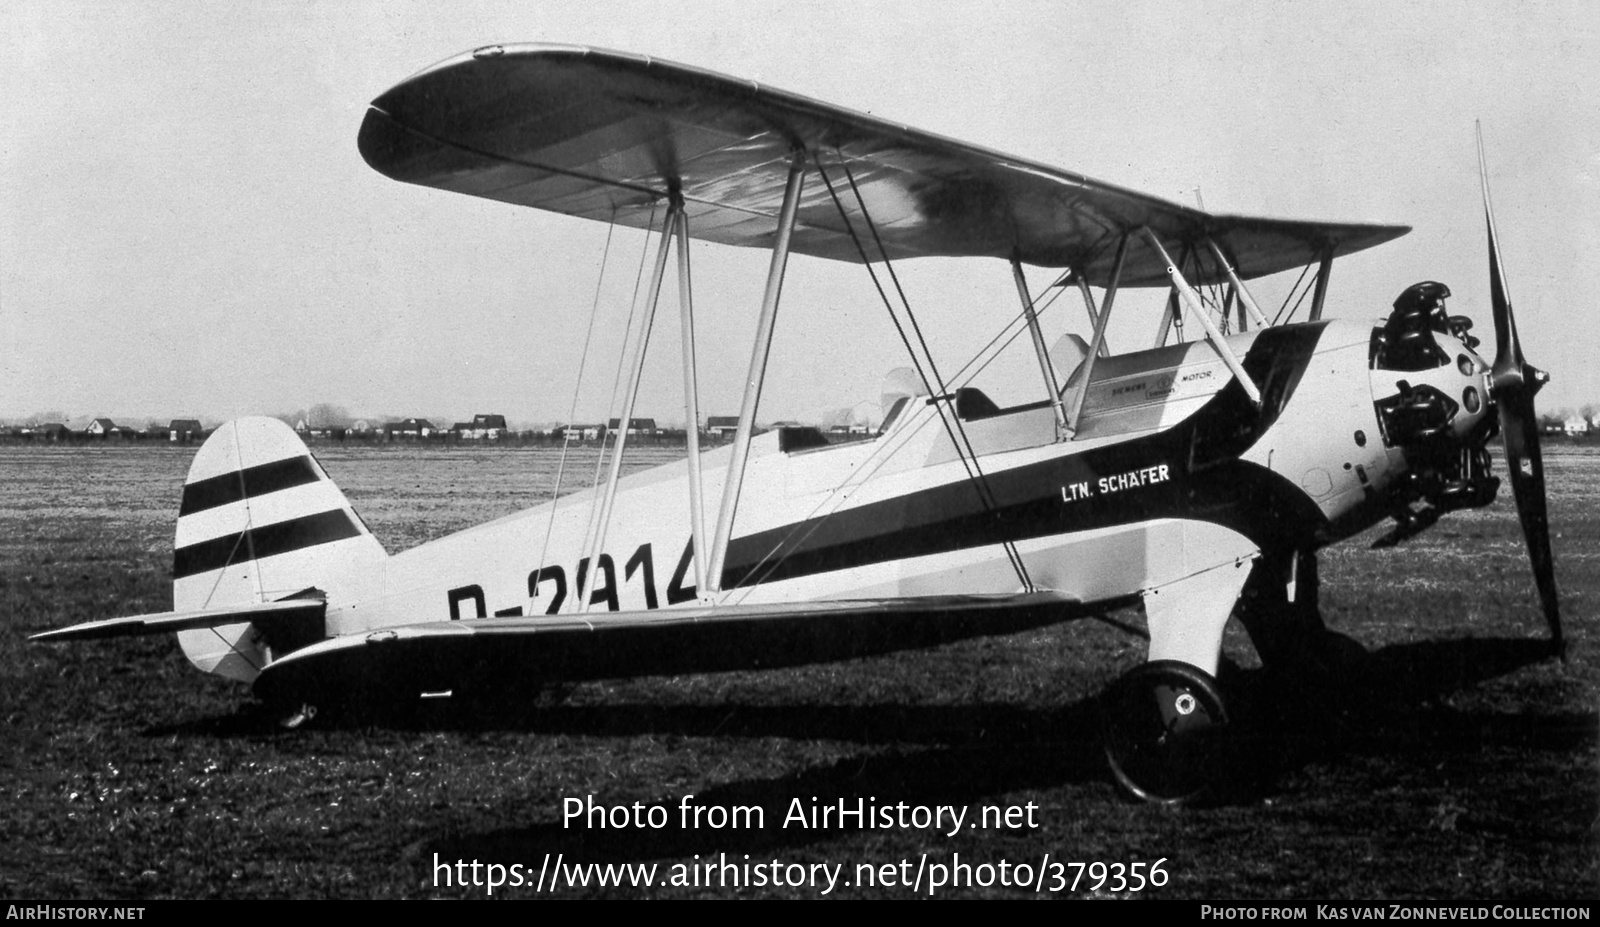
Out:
{"x": 260, "y": 522}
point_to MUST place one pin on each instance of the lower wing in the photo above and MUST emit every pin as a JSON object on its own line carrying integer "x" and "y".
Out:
{"x": 527, "y": 652}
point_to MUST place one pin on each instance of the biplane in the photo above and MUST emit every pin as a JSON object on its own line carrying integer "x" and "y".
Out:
{"x": 1196, "y": 478}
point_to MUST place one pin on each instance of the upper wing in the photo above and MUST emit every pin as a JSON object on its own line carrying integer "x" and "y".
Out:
{"x": 458, "y": 655}
{"x": 605, "y": 135}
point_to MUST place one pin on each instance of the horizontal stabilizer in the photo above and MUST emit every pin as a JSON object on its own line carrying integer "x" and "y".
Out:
{"x": 262, "y": 614}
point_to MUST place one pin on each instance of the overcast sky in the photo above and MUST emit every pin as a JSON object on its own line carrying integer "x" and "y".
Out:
{"x": 187, "y": 228}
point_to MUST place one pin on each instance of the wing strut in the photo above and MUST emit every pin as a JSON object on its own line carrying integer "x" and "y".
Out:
{"x": 629, "y": 396}
{"x": 1086, "y": 370}
{"x": 1230, "y": 302}
{"x": 758, "y": 371}
{"x": 691, "y": 402}
{"x": 1239, "y": 288}
{"x": 1172, "y": 315}
{"x": 1323, "y": 271}
{"x": 1062, "y": 431}
{"x": 1088, "y": 304}
{"x": 1192, "y": 300}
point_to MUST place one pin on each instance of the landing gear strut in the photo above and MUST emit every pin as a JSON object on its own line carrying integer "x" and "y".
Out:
{"x": 1280, "y": 610}
{"x": 1166, "y": 732}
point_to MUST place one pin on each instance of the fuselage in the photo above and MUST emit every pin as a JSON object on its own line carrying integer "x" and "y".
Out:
{"x": 1172, "y": 464}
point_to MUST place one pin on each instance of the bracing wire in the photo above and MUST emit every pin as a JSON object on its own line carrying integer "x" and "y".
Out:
{"x": 1281, "y": 309}
{"x": 882, "y": 454}
{"x": 911, "y": 317}
{"x": 1310, "y": 285}
{"x": 1016, "y": 326}
{"x": 1215, "y": 301}
{"x": 955, "y": 431}
{"x": 572, "y": 410}
{"x": 616, "y": 383}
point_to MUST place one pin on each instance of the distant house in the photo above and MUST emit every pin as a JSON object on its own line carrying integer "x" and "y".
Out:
{"x": 587, "y": 432}
{"x": 361, "y": 427}
{"x": 1576, "y": 426}
{"x": 481, "y": 428}
{"x": 183, "y": 430}
{"x": 636, "y": 426}
{"x": 51, "y": 431}
{"x": 100, "y": 427}
{"x": 410, "y": 428}
{"x": 852, "y": 431}
{"x": 722, "y": 426}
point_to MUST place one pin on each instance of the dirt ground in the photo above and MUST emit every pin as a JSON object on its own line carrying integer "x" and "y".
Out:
{"x": 1449, "y": 759}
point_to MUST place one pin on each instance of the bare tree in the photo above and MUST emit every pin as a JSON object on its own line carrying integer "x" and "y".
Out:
{"x": 324, "y": 415}
{"x": 40, "y": 418}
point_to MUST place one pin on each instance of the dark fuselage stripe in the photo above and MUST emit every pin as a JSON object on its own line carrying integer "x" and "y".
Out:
{"x": 266, "y": 541}
{"x": 1203, "y": 479}
{"x": 248, "y": 483}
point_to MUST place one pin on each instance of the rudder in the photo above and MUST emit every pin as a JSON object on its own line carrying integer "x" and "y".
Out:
{"x": 260, "y": 521}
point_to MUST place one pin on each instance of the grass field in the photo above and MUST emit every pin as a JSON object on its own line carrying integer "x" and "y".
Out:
{"x": 1451, "y": 762}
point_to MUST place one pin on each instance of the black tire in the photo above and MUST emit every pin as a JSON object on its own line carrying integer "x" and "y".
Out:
{"x": 1166, "y": 731}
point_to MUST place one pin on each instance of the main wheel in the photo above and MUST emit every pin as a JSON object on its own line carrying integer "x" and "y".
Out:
{"x": 1166, "y": 732}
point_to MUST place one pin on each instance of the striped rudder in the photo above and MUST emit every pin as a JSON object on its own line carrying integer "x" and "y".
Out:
{"x": 261, "y": 521}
